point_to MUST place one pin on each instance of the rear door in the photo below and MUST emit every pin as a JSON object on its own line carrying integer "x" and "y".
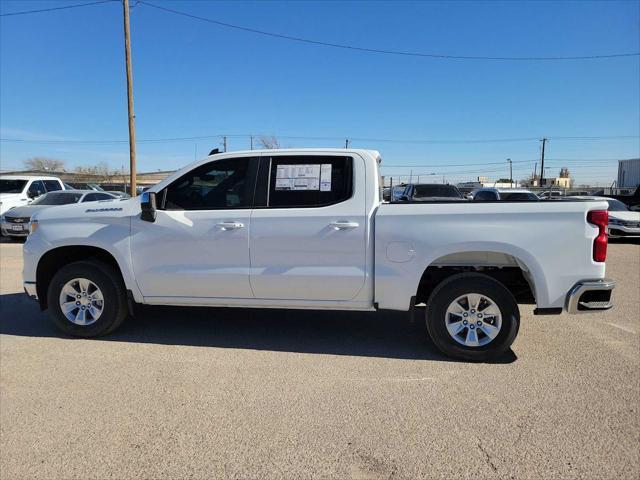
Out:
{"x": 308, "y": 228}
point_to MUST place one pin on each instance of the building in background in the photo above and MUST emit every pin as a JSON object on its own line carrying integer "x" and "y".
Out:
{"x": 559, "y": 182}
{"x": 628, "y": 173}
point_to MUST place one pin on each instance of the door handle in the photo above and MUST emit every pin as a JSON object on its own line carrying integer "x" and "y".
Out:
{"x": 230, "y": 225}
{"x": 344, "y": 225}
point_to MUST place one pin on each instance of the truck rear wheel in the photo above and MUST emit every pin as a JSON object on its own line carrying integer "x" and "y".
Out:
{"x": 471, "y": 316}
{"x": 87, "y": 299}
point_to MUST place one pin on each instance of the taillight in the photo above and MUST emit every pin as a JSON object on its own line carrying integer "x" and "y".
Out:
{"x": 599, "y": 218}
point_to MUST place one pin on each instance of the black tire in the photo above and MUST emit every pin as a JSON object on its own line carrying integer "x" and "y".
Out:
{"x": 113, "y": 290}
{"x": 452, "y": 288}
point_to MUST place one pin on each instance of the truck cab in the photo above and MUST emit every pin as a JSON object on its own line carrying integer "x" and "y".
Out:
{"x": 20, "y": 190}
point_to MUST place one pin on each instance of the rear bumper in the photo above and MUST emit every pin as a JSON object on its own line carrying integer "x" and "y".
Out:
{"x": 590, "y": 295}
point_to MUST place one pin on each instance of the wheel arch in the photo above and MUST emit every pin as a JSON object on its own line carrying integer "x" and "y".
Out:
{"x": 56, "y": 258}
{"x": 515, "y": 268}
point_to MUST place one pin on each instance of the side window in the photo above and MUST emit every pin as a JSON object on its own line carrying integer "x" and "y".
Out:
{"x": 36, "y": 189}
{"x": 311, "y": 181}
{"x": 216, "y": 185}
{"x": 90, "y": 197}
{"x": 102, "y": 196}
{"x": 52, "y": 185}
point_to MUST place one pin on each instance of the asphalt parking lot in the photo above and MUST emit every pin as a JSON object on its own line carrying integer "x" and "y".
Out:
{"x": 212, "y": 393}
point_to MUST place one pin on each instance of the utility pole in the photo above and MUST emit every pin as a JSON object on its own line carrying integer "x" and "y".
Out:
{"x": 251, "y": 139}
{"x": 544, "y": 141}
{"x": 411, "y": 176}
{"x": 224, "y": 143}
{"x": 132, "y": 127}
{"x": 346, "y": 143}
{"x": 510, "y": 172}
{"x": 535, "y": 171}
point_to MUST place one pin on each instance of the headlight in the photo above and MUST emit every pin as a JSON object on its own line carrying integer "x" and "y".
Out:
{"x": 33, "y": 226}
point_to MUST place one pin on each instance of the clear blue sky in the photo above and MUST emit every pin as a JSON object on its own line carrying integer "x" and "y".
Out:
{"x": 62, "y": 78}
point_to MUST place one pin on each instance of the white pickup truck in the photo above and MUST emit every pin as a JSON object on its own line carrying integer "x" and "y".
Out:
{"x": 307, "y": 229}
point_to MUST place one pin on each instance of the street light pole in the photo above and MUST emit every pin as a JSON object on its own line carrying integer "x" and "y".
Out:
{"x": 510, "y": 172}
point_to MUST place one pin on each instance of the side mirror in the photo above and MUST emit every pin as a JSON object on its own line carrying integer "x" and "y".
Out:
{"x": 148, "y": 206}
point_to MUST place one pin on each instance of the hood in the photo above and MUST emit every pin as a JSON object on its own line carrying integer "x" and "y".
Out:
{"x": 26, "y": 211}
{"x": 103, "y": 208}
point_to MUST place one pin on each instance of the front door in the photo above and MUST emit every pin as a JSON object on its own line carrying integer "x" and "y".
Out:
{"x": 308, "y": 230}
{"x": 199, "y": 244}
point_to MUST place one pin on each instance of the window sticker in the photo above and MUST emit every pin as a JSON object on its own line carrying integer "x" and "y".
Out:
{"x": 325, "y": 177}
{"x": 298, "y": 177}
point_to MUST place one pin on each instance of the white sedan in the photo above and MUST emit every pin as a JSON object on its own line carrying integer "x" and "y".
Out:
{"x": 623, "y": 223}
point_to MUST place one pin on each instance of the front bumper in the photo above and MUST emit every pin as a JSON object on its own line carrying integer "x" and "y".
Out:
{"x": 590, "y": 295}
{"x": 617, "y": 231}
{"x": 8, "y": 231}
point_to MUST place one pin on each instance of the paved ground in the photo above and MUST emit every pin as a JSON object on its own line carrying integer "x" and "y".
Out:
{"x": 182, "y": 393}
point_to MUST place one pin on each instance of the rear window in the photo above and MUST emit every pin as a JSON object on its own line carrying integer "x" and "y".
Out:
{"x": 57, "y": 199}
{"x": 12, "y": 185}
{"x": 309, "y": 181}
{"x": 485, "y": 195}
{"x": 450, "y": 191}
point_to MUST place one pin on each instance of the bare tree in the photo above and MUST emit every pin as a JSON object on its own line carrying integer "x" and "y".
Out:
{"x": 44, "y": 163}
{"x": 269, "y": 142}
{"x": 100, "y": 170}
{"x": 564, "y": 172}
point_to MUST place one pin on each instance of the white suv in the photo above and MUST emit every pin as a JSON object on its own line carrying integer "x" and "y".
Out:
{"x": 19, "y": 190}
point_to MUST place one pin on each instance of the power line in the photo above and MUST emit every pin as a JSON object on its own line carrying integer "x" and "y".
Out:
{"x": 336, "y": 138}
{"x": 65, "y": 7}
{"x": 375, "y": 50}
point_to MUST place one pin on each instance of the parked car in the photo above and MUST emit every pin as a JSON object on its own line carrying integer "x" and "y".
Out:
{"x": 420, "y": 192}
{"x": 119, "y": 194}
{"x": 623, "y": 222}
{"x": 18, "y": 190}
{"x": 506, "y": 194}
{"x": 550, "y": 194}
{"x": 15, "y": 222}
{"x": 307, "y": 229}
{"x": 86, "y": 186}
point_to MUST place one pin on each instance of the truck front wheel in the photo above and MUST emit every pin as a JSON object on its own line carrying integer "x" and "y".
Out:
{"x": 473, "y": 317}
{"x": 87, "y": 299}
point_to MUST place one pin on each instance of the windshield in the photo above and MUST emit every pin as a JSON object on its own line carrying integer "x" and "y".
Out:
{"x": 436, "y": 191}
{"x": 518, "y": 196}
{"x": 11, "y": 185}
{"x": 57, "y": 199}
{"x": 616, "y": 205}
